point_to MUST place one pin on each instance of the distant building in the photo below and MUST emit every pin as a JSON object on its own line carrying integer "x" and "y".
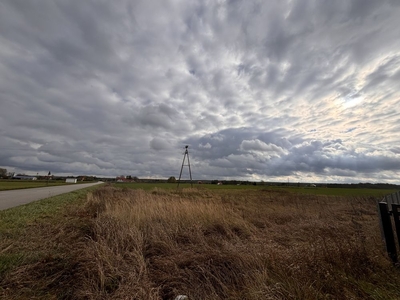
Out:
{"x": 127, "y": 179}
{"x": 25, "y": 177}
{"x": 71, "y": 180}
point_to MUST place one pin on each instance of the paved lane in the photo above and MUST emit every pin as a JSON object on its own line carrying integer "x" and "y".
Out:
{"x": 13, "y": 198}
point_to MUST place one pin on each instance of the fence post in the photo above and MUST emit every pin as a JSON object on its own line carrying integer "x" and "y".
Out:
{"x": 387, "y": 231}
{"x": 396, "y": 216}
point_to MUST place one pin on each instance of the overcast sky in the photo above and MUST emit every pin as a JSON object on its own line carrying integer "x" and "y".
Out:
{"x": 306, "y": 91}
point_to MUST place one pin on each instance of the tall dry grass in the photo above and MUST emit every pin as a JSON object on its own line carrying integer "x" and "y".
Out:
{"x": 227, "y": 244}
{"x": 232, "y": 245}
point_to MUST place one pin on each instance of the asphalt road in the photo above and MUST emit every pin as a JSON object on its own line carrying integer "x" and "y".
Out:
{"x": 14, "y": 198}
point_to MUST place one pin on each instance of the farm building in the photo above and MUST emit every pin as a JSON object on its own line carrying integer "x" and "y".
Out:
{"x": 71, "y": 180}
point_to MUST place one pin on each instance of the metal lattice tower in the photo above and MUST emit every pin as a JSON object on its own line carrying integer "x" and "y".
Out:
{"x": 188, "y": 165}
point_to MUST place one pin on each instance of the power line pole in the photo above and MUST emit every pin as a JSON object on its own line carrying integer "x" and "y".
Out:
{"x": 188, "y": 165}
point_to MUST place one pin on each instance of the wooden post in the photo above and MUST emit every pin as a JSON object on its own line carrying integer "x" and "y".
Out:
{"x": 397, "y": 197}
{"x": 396, "y": 216}
{"x": 387, "y": 231}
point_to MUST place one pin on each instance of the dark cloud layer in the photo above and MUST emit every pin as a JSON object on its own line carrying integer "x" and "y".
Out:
{"x": 260, "y": 90}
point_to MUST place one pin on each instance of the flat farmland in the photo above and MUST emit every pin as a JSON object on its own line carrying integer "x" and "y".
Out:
{"x": 115, "y": 242}
{"x": 295, "y": 190}
{"x": 350, "y": 192}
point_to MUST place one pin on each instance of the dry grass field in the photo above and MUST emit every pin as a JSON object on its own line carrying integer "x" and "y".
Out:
{"x": 206, "y": 244}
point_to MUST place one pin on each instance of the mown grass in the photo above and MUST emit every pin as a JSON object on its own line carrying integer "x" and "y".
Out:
{"x": 207, "y": 244}
{"x": 27, "y": 184}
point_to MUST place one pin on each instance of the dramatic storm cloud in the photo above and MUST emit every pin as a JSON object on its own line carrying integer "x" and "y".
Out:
{"x": 259, "y": 90}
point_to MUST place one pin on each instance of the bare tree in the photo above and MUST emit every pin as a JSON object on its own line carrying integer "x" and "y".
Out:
{"x": 3, "y": 173}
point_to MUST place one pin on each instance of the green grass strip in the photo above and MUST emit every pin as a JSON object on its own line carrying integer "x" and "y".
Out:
{"x": 15, "y": 221}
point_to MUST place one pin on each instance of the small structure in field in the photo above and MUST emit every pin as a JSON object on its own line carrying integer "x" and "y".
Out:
{"x": 71, "y": 180}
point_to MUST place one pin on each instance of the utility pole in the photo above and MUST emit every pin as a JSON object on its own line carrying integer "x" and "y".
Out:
{"x": 188, "y": 165}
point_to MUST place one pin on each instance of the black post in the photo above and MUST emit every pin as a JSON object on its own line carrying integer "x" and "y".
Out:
{"x": 190, "y": 171}
{"x": 387, "y": 231}
{"x": 180, "y": 174}
{"x": 396, "y": 216}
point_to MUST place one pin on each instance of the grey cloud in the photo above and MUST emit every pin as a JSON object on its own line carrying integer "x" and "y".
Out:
{"x": 159, "y": 144}
{"x": 390, "y": 69}
{"x": 229, "y": 141}
{"x": 257, "y": 145}
{"x": 321, "y": 158}
{"x": 155, "y": 116}
{"x": 257, "y": 89}
{"x": 395, "y": 150}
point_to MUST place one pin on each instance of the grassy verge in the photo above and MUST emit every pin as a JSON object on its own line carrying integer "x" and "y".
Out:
{"x": 208, "y": 244}
{"x": 30, "y": 235}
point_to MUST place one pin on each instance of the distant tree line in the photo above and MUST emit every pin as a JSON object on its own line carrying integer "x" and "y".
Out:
{"x": 172, "y": 179}
{"x": 4, "y": 174}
